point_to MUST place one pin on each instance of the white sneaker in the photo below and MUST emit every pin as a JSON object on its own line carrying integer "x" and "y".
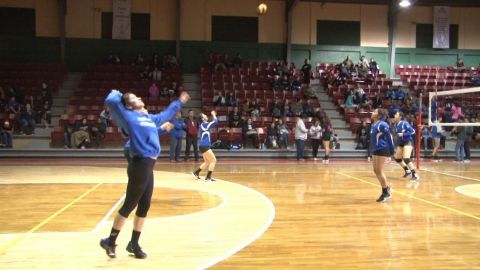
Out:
{"x": 466, "y": 161}
{"x": 315, "y": 158}
{"x": 369, "y": 159}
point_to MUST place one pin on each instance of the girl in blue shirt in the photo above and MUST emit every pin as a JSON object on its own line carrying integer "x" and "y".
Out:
{"x": 128, "y": 113}
{"x": 381, "y": 144}
{"x": 405, "y": 133}
{"x": 204, "y": 145}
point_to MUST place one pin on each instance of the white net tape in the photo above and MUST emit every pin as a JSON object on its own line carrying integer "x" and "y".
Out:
{"x": 455, "y": 107}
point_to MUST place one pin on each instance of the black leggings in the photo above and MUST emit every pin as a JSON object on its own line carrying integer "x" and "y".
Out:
{"x": 139, "y": 187}
{"x": 315, "y": 145}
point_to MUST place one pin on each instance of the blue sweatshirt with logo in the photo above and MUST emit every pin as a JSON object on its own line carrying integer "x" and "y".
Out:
{"x": 204, "y": 131}
{"x": 380, "y": 137}
{"x": 141, "y": 128}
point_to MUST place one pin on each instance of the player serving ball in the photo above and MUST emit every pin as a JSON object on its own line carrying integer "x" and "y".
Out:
{"x": 204, "y": 146}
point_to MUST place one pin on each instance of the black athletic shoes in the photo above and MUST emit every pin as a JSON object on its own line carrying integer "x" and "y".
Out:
{"x": 136, "y": 250}
{"x": 407, "y": 173}
{"x": 197, "y": 177}
{"x": 109, "y": 249}
{"x": 385, "y": 196}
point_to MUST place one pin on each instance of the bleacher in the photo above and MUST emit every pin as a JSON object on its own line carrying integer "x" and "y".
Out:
{"x": 88, "y": 100}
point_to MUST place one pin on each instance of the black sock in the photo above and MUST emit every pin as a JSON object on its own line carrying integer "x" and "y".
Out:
{"x": 209, "y": 175}
{"x": 326, "y": 157}
{"x": 197, "y": 172}
{"x": 413, "y": 173}
{"x": 135, "y": 237}
{"x": 113, "y": 236}
{"x": 406, "y": 168}
{"x": 385, "y": 190}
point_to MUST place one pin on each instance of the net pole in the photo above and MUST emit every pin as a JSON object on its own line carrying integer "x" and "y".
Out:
{"x": 419, "y": 129}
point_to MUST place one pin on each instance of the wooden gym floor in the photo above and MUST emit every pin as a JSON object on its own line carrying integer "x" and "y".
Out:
{"x": 262, "y": 214}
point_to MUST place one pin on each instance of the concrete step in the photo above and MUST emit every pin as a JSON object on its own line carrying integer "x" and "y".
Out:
{"x": 191, "y": 78}
{"x": 192, "y": 87}
{"x": 328, "y": 105}
{"x": 333, "y": 113}
{"x": 60, "y": 101}
{"x": 57, "y": 110}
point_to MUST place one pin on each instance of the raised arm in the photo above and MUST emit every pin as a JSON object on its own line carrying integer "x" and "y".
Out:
{"x": 117, "y": 110}
{"x": 171, "y": 110}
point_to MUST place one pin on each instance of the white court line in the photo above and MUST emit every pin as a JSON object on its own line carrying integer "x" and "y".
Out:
{"x": 254, "y": 237}
{"x": 453, "y": 175}
{"x": 109, "y": 213}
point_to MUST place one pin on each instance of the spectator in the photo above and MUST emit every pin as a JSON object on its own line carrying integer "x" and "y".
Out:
{"x": 191, "y": 125}
{"x": 156, "y": 74}
{"x": 153, "y": 91}
{"x": 105, "y": 116}
{"x": 218, "y": 99}
{"x": 139, "y": 60}
{"x": 110, "y": 59}
{"x": 27, "y": 120}
{"x": 116, "y": 59}
{"x": 377, "y": 102}
{"x": 3, "y": 100}
{"x": 237, "y": 61}
{"x": 363, "y": 67}
{"x": 468, "y": 139}
{"x": 286, "y": 111}
{"x": 246, "y": 108}
{"x": 174, "y": 90}
{"x": 230, "y": 100}
{"x": 6, "y": 134}
{"x": 272, "y": 136}
{"x": 250, "y": 133}
{"x": 176, "y": 137}
{"x": 461, "y": 133}
{"x": 300, "y": 136}
{"x": 81, "y": 137}
{"x": 276, "y": 108}
{"x": 234, "y": 118}
{"x": 282, "y": 133}
{"x": 363, "y": 136}
{"x": 297, "y": 108}
{"x": 437, "y": 134}
{"x": 373, "y": 67}
{"x": 349, "y": 101}
{"x": 170, "y": 60}
{"x": 254, "y": 109}
{"x": 146, "y": 73}
{"x": 97, "y": 132}
{"x": 315, "y": 134}
{"x": 285, "y": 83}
{"x": 308, "y": 108}
{"x": 46, "y": 114}
{"x": 13, "y": 106}
{"x": 157, "y": 62}
{"x": 326, "y": 137}
{"x": 348, "y": 63}
{"x": 456, "y": 111}
{"x": 460, "y": 66}
{"x": 307, "y": 71}
{"x": 426, "y": 137}
{"x": 46, "y": 94}
{"x": 68, "y": 129}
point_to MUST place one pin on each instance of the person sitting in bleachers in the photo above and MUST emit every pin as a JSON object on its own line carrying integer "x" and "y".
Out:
{"x": 272, "y": 136}
{"x": 427, "y": 139}
{"x": 13, "y": 106}
{"x": 218, "y": 99}
{"x": 146, "y": 74}
{"x": 27, "y": 120}
{"x": 139, "y": 60}
{"x": 97, "y": 133}
{"x": 394, "y": 108}
{"x": 285, "y": 83}
{"x": 68, "y": 129}
{"x": 276, "y": 108}
{"x": 81, "y": 137}
{"x": 46, "y": 93}
{"x": 6, "y": 134}
{"x": 110, "y": 59}
{"x": 170, "y": 60}
{"x": 153, "y": 91}
{"x": 363, "y": 136}
{"x": 230, "y": 99}
{"x": 348, "y": 63}
{"x": 105, "y": 116}
{"x": 174, "y": 90}
{"x": 282, "y": 133}
{"x": 349, "y": 101}
{"x": 157, "y": 62}
{"x": 246, "y": 108}
{"x": 254, "y": 109}
{"x": 3, "y": 100}
{"x": 307, "y": 108}
{"x": 373, "y": 66}
{"x": 156, "y": 74}
{"x": 250, "y": 134}
{"x": 297, "y": 108}
{"x": 237, "y": 61}
{"x": 363, "y": 67}
{"x": 286, "y": 110}
{"x": 46, "y": 114}
{"x": 459, "y": 66}
{"x": 235, "y": 118}
{"x": 377, "y": 102}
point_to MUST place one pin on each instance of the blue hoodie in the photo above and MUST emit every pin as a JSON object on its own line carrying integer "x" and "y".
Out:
{"x": 141, "y": 128}
{"x": 179, "y": 127}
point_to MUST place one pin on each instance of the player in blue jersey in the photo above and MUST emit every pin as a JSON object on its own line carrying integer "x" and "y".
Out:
{"x": 204, "y": 145}
{"x": 128, "y": 113}
{"x": 404, "y": 132}
{"x": 381, "y": 145}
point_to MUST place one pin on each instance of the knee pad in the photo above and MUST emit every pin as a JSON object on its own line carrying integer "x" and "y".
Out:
{"x": 398, "y": 160}
{"x": 406, "y": 160}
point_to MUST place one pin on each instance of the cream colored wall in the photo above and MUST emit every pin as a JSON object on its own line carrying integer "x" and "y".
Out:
{"x": 197, "y": 18}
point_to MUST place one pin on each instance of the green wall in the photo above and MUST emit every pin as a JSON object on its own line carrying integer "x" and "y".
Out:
{"x": 82, "y": 52}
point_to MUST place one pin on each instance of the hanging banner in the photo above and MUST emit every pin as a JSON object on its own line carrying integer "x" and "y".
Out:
{"x": 121, "y": 19}
{"x": 441, "y": 27}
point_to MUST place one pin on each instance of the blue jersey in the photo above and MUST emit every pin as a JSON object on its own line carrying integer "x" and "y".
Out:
{"x": 204, "y": 131}
{"x": 406, "y": 129}
{"x": 141, "y": 128}
{"x": 380, "y": 137}
{"x": 127, "y": 143}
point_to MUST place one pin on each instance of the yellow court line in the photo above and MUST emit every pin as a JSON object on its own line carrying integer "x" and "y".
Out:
{"x": 416, "y": 198}
{"x": 452, "y": 175}
{"x": 20, "y": 238}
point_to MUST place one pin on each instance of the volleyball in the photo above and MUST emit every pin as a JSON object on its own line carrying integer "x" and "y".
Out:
{"x": 262, "y": 8}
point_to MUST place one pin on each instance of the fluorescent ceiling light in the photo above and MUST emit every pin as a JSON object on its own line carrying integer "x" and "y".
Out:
{"x": 405, "y": 3}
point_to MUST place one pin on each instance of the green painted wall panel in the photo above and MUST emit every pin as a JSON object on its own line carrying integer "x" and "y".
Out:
{"x": 433, "y": 59}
